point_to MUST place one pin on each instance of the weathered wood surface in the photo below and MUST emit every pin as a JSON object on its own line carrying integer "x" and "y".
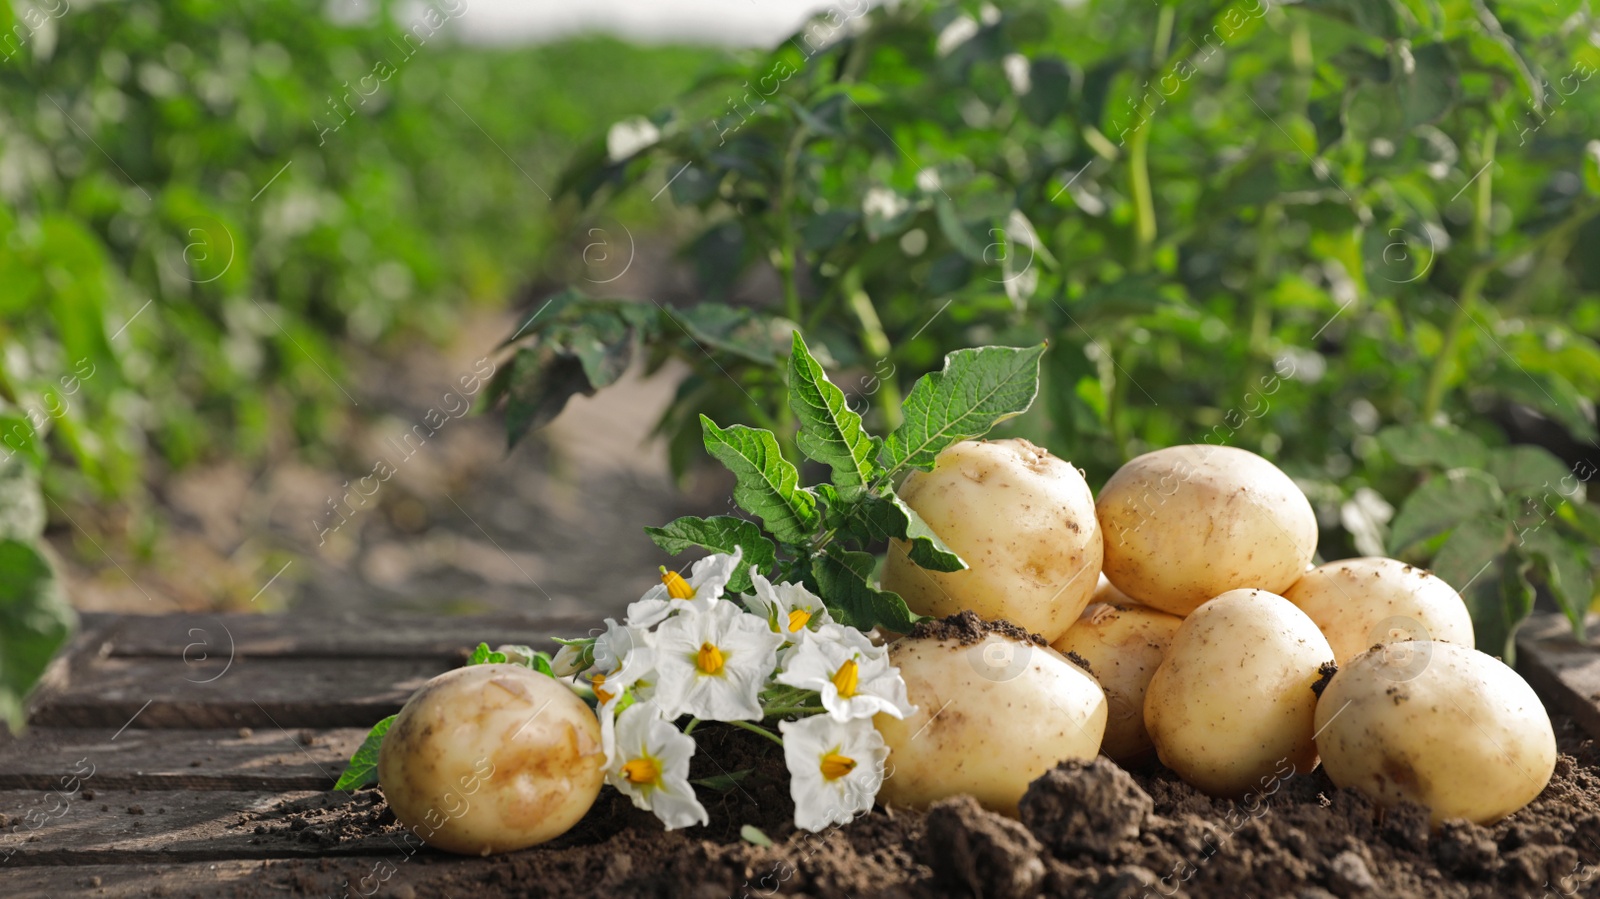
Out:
{"x": 258, "y": 691}
{"x": 242, "y": 759}
{"x": 333, "y": 636}
{"x": 210, "y": 726}
{"x": 1565, "y": 672}
{"x": 133, "y": 826}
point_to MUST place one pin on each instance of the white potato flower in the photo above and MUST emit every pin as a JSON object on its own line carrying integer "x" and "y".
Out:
{"x": 635, "y": 677}
{"x": 713, "y": 664}
{"x": 699, "y": 592}
{"x": 835, "y": 769}
{"x": 854, "y": 677}
{"x": 614, "y": 644}
{"x": 651, "y": 766}
{"x": 788, "y": 608}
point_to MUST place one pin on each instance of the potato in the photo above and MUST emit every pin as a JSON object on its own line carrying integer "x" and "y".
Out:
{"x": 1231, "y": 706}
{"x": 1187, "y": 523}
{"x": 1438, "y": 724}
{"x": 1123, "y": 644}
{"x": 1107, "y": 592}
{"x": 491, "y": 758}
{"x": 994, "y": 711}
{"x": 1023, "y": 519}
{"x": 1359, "y": 603}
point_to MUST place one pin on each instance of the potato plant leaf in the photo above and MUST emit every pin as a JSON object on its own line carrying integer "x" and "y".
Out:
{"x": 1441, "y": 503}
{"x": 1532, "y": 471}
{"x": 830, "y": 432}
{"x": 1565, "y": 570}
{"x": 1419, "y": 445}
{"x": 719, "y": 534}
{"x": 483, "y": 655}
{"x": 768, "y": 485}
{"x": 35, "y": 621}
{"x": 976, "y": 389}
{"x": 1473, "y": 560}
{"x": 363, "y": 767}
{"x": 883, "y": 517}
{"x": 845, "y": 578}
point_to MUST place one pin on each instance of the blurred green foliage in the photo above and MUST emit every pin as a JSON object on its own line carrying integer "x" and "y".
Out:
{"x": 1338, "y": 233}
{"x": 204, "y": 204}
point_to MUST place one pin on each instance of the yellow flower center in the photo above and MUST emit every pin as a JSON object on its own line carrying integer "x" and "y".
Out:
{"x": 798, "y": 619}
{"x": 601, "y": 694}
{"x": 846, "y": 679}
{"x": 709, "y": 660}
{"x": 835, "y": 766}
{"x": 677, "y": 587}
{"x": 642, "y": 771}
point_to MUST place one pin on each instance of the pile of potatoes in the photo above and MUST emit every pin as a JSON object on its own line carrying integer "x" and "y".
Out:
{"x": 1185, "y": 621}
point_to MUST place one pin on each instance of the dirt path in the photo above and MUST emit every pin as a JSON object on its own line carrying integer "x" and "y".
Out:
{"x": 453, "y": 523}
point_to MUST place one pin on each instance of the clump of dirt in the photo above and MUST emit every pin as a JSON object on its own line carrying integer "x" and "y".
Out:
{"x": 1325, "y": 673}
{"x": 966, "y": 628}
{"x": 1087, "y": 829}
{"x": 971, "y": 850}
{"x": 1091, "y": 807}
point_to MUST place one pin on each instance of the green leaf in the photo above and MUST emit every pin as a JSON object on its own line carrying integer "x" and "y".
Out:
{"x": 1528, "y": 470}
{"x": 1441, "y": 503}
{"x": 720, "y": 534}
{"x": 1419, "y": 445}
{"x": 884, "y": 517}
{"x": 1565, "y": 568}
{"x": 1378, "y": 18}
{"x": 768, "y": 485}
{"x": 539, "y": 385}
{"x": 35, "y": 621}
{"x": 723, "y": 782}
{"x": 363, "y": 767}
{"x": 22, "y": 514}
{"x": 845, "y": 579}
{"x": 757, "y": 336}
{"x": 484, "y": 656}
{"x": 1472, "y": 561}
{"x": 1429, "y": 85}
{"x": 830, "y": 432}
{"x": 753, "y": 835}
{"x": 976, "y": 389}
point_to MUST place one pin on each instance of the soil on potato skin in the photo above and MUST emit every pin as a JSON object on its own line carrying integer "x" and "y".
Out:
{"x": 1087, "y": 830}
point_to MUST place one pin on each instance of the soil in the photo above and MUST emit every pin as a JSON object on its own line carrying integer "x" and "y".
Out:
{"x": 966, "y": 628}
{"x": 1087, "y": 829}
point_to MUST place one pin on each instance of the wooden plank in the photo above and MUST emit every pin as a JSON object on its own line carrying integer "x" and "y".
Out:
{"x": 381, "y": 876}
{"x": 240, "y": 759}
{"x": 1565, "y": 673}
{"x": 138, "y": 826}
{"x": 232, "y": 692}
{"x": 346, "y": 635}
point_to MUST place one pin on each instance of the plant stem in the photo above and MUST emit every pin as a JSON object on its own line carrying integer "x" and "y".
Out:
{"x": 1471, "y": 287}
{"x": 876, "y": 343}
{"x": 1266, "y": 256}
{"x": 786, "y": 234}
{"x": 1144, "y": 208}
{"x": 745, "y": 725}
{"x": 689, "y": 728}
